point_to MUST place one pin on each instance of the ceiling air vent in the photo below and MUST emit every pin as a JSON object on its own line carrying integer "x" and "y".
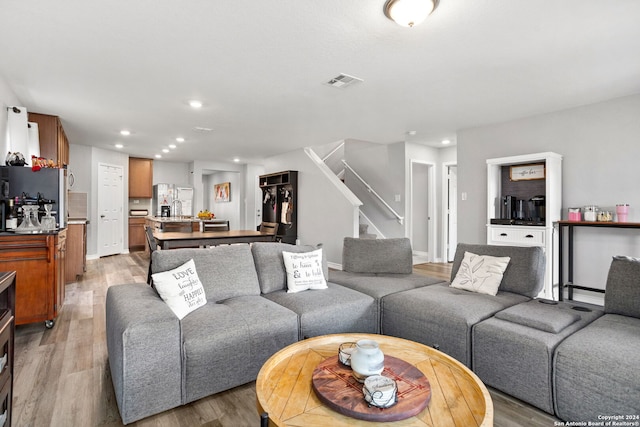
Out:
{"x": 342, "y": 81}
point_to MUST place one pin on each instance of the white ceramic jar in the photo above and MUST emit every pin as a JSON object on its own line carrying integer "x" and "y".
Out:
{"x": 366, "y": 360}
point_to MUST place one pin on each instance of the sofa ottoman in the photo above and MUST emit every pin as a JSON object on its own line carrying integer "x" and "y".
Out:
{"x": 513, "y": 351}
{"x": 442, "y": 316}
{"x": 596, "y": 369}
{"x": 324, "y": 311}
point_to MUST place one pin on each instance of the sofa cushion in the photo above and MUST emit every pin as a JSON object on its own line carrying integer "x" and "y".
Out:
{"x": 225, "y": 344}
{"x": 480, "y": 273}
{"x": 304, "y": 270}
{"x": 442, "y": 316}
{"x": 225, "y": 271}
{"x": 623, "y": 287}
{"x": 377, "y": 255}
{"x": 541, "y": 316}
{"x": 330, "y": 311}
{"x": 525, "y": 273}
{"x": 269, "y": 264}
{"x": 181, "y": 289}
{"x": 379, "y": 285}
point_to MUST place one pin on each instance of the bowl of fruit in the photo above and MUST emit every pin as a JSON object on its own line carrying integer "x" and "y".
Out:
{"x": 205, "y": 214}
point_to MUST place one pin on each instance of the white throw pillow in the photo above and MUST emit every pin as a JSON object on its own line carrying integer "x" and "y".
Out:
{"x": 181, "y": 289}
{"x": 480, "y": 273}
{"x": 304, "y": 270}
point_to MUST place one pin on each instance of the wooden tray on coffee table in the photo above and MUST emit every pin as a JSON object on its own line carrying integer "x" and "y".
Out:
{"x": 336, "y": 387}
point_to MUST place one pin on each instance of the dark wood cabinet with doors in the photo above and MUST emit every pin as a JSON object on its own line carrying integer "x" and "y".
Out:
{"x": 140, "y": 178}
{"x": 39, "y": 263}
{"x": 137, "y": 239}
{"x": 280, "y": 203}
{"x": 53, "y": 140}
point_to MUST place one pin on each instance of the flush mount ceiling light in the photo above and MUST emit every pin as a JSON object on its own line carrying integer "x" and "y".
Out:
{"x": 409, "y": 13}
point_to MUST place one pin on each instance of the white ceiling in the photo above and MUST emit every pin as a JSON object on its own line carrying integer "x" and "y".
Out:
{"x": 259, "y": 67}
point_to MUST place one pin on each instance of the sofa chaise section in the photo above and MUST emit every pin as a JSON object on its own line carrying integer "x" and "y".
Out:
{"x": 218, "y": 346}
{"x": 336, "y": 309}
{"x": 513, "y": 350}
{"x": 443, "y": 317}
{"x": 596, "y": 369}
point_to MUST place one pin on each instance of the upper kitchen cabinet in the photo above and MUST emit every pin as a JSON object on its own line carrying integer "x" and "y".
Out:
{"x": 140, "y": 178}
{"x": 53, "y": 141}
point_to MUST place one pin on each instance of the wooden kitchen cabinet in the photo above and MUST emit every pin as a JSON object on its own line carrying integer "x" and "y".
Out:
{"x": 140, "y": 178}
{"x": 137, "y": 239}
{"x": 7, "y": 333}
{"x": 75, "y": 261}
{"x": 53, "y": 140}
{"x": 39, "y": 263}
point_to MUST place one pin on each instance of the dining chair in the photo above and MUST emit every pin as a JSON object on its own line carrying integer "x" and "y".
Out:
{"x": 148, "y": 232}
{"x": 270, "y": 228}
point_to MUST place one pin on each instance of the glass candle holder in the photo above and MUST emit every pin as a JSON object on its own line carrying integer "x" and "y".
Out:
{"x": 344, "y": 352}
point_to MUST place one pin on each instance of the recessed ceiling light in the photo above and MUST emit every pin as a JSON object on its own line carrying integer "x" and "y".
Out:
{"x": 158, "y": 156}
{"x": 172, "y": 146}
{"x": 119, "y": 145}
{"x": 125, "y": 132}
{"x": 194, "y": 103}
{"x": 411, "y": 132}
{"x": 180, "y": 139}
{"x": 165, "y": 150}
{"x": 236, "y": 160}
{"x": 446, "y": 142}
{"x": 202, "y": 129}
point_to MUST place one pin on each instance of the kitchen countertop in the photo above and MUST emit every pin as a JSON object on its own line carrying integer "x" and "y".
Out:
{"x": 178, "y": 219}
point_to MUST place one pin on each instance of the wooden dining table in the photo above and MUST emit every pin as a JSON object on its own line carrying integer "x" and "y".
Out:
{"x": 173, "y": 240}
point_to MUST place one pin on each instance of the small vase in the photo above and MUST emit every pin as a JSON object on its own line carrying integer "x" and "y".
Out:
{"x": 366, "y": 360}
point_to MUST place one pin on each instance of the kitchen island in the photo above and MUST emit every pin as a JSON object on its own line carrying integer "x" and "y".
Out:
{"x": 186, "y": 224}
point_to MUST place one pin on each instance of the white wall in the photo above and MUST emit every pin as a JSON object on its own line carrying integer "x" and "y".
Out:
{"x": 226, "y": 210}
{"x": 171, "y": 173}
{"x": 324, "y": 214}
{"x": 600, "y": 144}
{"x": 383, "y": 168}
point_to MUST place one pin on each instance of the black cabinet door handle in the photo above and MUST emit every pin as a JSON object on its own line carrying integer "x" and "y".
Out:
{"x": 503, "y": 234}
{"x": 529, "y": 236}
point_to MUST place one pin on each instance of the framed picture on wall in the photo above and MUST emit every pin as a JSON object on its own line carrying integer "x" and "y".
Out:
{"x": 222, "y": 192}
{"x": 527, "y": 172}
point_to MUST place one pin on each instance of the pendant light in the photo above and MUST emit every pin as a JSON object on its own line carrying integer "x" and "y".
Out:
{"x": 409, "y": 13}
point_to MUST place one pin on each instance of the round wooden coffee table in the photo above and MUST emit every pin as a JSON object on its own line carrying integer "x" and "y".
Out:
{"x": 284, "y": 385}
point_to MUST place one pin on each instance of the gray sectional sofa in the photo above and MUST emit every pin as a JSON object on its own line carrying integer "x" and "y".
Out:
{"x": 537, "y": 351}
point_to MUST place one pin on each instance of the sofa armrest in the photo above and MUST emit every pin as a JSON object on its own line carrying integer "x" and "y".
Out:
{"x": 143, "y": 343}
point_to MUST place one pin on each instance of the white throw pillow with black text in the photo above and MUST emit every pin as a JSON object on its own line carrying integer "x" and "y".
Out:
{"x": 181, "y": 289}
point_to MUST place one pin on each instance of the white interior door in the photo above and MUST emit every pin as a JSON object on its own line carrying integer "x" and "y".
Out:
{"x": 110, "y": 210}
{"x": 452, "y": 221}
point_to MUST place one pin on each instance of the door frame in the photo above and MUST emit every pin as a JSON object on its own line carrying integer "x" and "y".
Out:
{"x": 445, "y": 208}
{"x": 122, "y": 224}
{"x": 431, "y": 211}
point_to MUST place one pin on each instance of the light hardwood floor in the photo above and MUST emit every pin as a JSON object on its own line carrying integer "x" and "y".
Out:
{"x": 62, "y": 374}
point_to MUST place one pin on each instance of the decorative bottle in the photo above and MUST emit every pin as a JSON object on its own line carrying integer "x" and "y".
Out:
{"x": 366, "y": 360}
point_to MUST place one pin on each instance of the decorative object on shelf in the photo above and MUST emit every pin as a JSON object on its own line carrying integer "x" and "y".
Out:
{"x": 409, "y": 13}
{"x": 527, "y": 172}
{"x": 622, "y": 212}
{"x": 222, "y": 192}
{"x": 344, "y": 352}
{"x": 591, "y": 213}
{"x": 15, "y": 159}
{"x": 380, "y": 391}
{"x": 366, "y": 360}
{"x": 574, "y": 214}
{"x": 605, "y": 216}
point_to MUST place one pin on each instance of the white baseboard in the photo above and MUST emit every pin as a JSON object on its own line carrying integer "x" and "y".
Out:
{"x": 334, "y": 265}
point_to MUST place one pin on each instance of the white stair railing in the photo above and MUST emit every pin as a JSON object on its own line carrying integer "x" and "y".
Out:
{"x": 372, "y": 191}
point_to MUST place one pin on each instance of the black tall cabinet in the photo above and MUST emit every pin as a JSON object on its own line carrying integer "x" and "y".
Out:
{"x": 280, "y": 203}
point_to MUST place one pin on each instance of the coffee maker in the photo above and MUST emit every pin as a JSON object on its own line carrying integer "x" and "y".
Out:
{"x": 508, "y": 207}
{"x": 537, "y": 209}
